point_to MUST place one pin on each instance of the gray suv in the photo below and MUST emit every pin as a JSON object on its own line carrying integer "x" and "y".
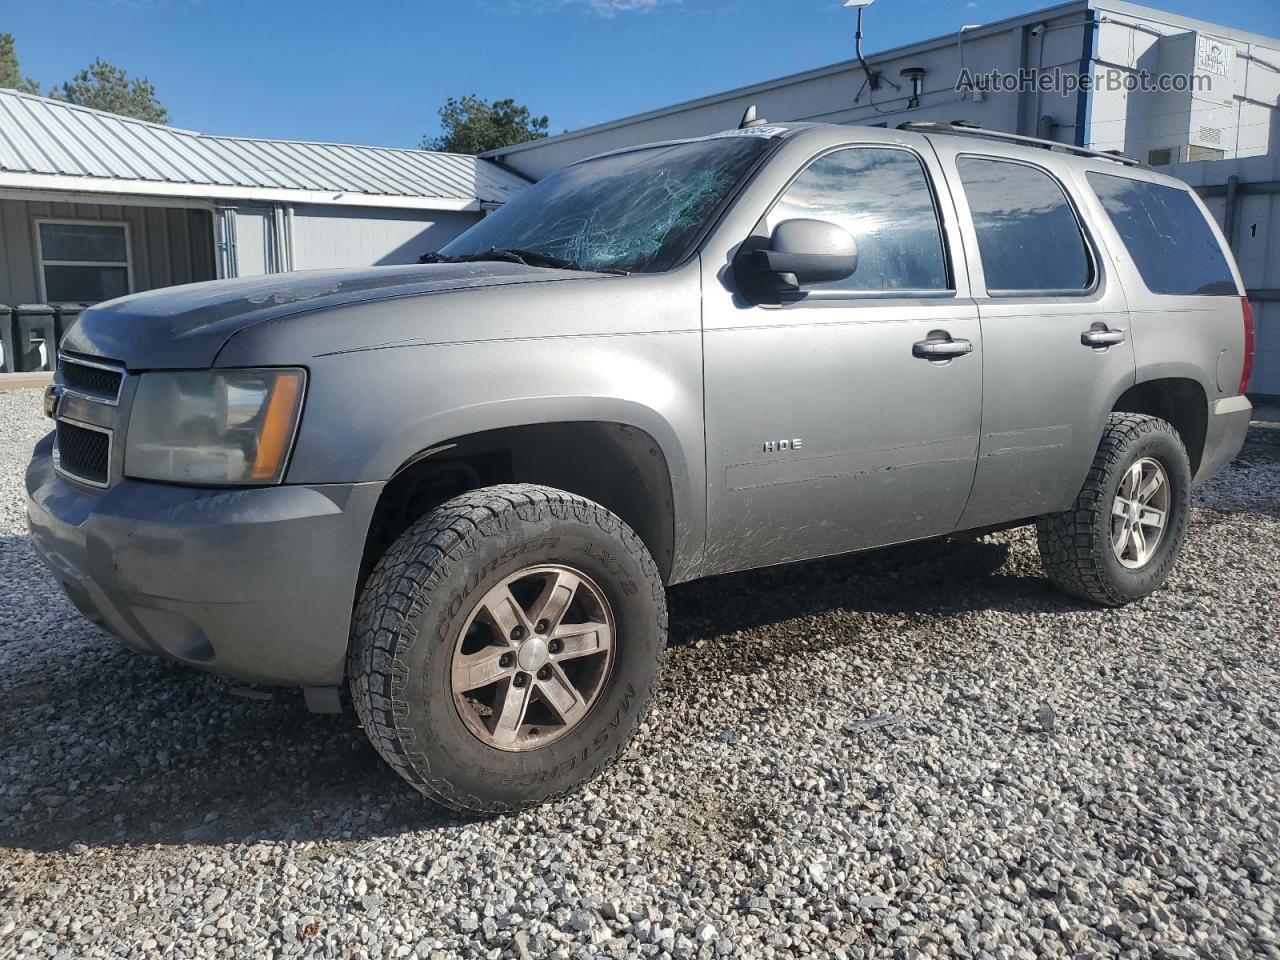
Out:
{"x": 459, "y": 489}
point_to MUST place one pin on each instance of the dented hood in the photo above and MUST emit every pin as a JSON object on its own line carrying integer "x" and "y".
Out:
{"x": 185, "y": 327}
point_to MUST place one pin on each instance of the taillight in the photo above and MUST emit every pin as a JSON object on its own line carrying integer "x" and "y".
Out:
{"x": 1247, "y": 370}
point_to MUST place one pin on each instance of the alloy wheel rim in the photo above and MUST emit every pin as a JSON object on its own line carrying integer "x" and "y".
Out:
{"x": 533, "y": 657}
{"x": 1140, "y": 513}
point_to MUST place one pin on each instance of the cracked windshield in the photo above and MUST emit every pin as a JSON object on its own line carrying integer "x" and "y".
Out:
{"x": 637, "y": 212}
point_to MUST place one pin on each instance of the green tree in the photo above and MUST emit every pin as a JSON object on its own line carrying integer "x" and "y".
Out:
{"x": 103, "y": 86}
{"x": 11, "y": 77}
{"x": 472, "y": 125}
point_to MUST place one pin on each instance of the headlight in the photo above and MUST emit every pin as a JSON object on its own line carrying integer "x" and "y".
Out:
{"x": 215, "y": 426}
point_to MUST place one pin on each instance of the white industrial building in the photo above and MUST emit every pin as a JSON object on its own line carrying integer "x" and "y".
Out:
{"x": 1233, "y": 115}
{"x": 94, "y": 205}
{"x": 1221, "y": 132}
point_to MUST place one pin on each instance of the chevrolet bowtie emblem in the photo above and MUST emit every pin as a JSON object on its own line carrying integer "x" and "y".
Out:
{"x": 52, "y": 394}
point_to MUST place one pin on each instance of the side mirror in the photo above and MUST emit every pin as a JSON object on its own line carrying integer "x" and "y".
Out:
{"x": 802, "y": 252}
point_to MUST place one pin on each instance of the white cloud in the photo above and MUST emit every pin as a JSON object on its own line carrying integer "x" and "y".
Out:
{"x": 607, "y": 8}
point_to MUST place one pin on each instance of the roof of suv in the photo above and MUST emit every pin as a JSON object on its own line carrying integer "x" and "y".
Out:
{"x": 997, "y": 141}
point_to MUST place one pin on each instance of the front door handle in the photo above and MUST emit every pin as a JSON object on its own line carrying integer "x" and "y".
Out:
{"x": 936, "y": 348}
{"x": 1100, "y": 335}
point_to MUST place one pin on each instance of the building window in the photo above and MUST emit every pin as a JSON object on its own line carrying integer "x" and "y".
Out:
{"x": 83, "y": 261}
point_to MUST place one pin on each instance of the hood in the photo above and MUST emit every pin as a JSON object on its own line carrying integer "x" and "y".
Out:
{"x": 185, "y": 327}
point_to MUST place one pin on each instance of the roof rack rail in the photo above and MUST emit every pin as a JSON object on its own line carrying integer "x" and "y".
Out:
{"x": 973, "y": 129}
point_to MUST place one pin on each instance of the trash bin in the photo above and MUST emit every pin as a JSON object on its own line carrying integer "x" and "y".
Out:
{"x": 37, "y": 342}
{"x": 65, "y": 318}
{"x": 8, "y": 341}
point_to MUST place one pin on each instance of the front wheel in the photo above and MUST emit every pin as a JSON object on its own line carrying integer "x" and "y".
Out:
{"x": 1119, "y": 540}
{"x": 505, "y": 649}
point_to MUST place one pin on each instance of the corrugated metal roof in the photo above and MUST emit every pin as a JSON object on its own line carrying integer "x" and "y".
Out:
{"x": 42, "y": 136}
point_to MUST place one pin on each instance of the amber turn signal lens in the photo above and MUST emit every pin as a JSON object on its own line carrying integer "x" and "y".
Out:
{"x": 277, "y": 426}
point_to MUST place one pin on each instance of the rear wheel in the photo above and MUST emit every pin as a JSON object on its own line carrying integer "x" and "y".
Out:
{"x": 1119, "y": 540}
{"x": 505, "y": 648}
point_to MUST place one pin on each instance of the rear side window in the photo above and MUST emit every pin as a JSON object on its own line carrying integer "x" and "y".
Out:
{"x": 1027, "y": 232}
{"x": 881, "y": 196}
{"x": 1167, "y": 236}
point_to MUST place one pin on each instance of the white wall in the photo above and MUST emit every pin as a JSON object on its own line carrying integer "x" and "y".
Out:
{"x": 828, "y": 94}
{"x": 1127, "y": 38}
{"x": 333, "y": 236}
{"x": 1242, "y": 104}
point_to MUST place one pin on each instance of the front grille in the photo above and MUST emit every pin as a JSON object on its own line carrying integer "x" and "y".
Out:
{"x": 84, "y": 453}
{"x": 94, "y": 380}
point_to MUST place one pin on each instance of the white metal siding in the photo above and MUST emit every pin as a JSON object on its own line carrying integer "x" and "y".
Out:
{"x": 827, "y": 95}
{"x": 327, "y": 236}
{"x": 1055, "y": 38}
{"x": 254, "y": 241}
{"x": 167, "y": 246}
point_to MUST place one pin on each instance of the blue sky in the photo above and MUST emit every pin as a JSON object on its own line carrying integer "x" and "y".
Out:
{"x": 375, "y": 72}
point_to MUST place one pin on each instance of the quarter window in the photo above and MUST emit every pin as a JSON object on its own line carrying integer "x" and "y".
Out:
{"x": 882, "y": 198}
{"x": 1167, "y": 236}
{"x": 83, "y": 262}
{"x": 1028, "y": 236}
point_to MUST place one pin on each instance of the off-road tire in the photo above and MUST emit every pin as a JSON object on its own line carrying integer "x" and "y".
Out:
{"x": 1075, "y": 545}
{"x": 419, "y": 595}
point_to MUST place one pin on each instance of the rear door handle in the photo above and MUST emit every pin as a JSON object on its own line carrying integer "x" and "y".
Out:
{"x": 1099, "y": 335}
{"x": 939, "y": 349}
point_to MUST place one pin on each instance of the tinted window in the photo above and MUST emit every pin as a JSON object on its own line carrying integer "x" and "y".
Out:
{"x": 1027, "y": 233}
{"x": 638, "y": 211}
{"x": 84, "y": 284}
{"x": 1166, "y": 235}
{"x": 880, "y": 196}
{"x": 84, "y": 262}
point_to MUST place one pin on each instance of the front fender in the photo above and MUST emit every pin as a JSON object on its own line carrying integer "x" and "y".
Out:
{"x": 369, "y": 412}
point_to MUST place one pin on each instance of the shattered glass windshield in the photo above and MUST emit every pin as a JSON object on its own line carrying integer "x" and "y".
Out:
{"x": 636, "y": 212}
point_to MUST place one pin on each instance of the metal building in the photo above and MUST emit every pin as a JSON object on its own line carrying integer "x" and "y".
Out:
{"x": 1230, "y": 113}
{"x": 94, "y": 205}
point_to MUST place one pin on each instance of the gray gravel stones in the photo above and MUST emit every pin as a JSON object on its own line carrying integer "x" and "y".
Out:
{"x": 850, "y": 758}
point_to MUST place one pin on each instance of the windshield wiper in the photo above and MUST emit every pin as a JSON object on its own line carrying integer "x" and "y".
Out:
{"x": 528, "y": 258}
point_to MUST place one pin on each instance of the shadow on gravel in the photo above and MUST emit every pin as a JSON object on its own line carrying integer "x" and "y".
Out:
{"x": 104, "y": 747}
{"x": 933, "y": 579}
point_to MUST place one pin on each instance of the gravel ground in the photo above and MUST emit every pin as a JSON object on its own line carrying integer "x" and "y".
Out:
{"x": 922, "y": 752}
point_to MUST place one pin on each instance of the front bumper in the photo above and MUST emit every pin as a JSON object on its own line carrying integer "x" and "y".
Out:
{"x": 1224, "y": 435}
{"x": 256, "y": 584}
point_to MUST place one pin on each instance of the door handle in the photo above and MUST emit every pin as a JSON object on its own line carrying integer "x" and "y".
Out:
{"x": 1099, "y": 335}
{"x": 938, "y": 349}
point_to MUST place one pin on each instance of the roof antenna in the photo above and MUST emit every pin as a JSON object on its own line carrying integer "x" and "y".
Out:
{"x": 749, "y": 119}
{"x": 873, "y": 76}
